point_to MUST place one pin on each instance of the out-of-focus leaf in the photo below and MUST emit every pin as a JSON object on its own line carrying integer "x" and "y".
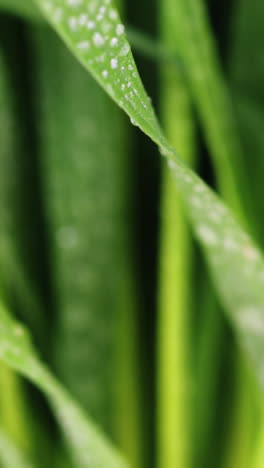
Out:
{"x": 10, "y": 455}
{"x": 174, "y": 334}
{"x": 86, "y": 180}
{"x": 89, "y": 448}
{"x": 246, "y": 73}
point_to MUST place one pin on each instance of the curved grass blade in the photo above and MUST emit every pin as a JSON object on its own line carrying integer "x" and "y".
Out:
{"x": 10, "y": 455}
{"x": 89, "y": 447}
{"x": 94, "y": 33}
{"x": 141, "y": 42}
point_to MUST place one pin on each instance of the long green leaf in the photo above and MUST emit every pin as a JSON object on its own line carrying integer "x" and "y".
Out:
{"x": 94, "y": 33}
{"x": 14, "y": 416}
{"x": 10, "y": 455}
{"x": 89, "y": 447}
{"x": 173, "y": 330}
{"x": 195, "y": 45}
{"x": 246, "y": 74}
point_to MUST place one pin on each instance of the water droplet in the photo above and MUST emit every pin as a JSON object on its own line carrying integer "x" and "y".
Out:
{"x": 207, "y": 235}
{"x": 125, "y": 49}
{"x": 83, "y": 19}
{"x": 120, "y": 29}
{"x": 74, "y": 3}
{"x": 110, "y": 89}
{"x": 112, "y": 14}
{"x": 91, "y": 25}
{"x": 172, "y": 164}
{"x": 57, "y": 15}
{"x": 84, "y": 45}
{"x": 114, "y": 63}
{"x": 251, "y": 319}
{"x": 114, "y": 41}
{"x": 98, "y": 39}
{"x": 73, "y": 23}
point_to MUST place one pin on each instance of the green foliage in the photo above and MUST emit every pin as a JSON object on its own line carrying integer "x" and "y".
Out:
{"x": 89, "y": 337}
{"x": 175, "y": 391}
{"x": 89, "y": 448}
{"x": 10, "y": 455}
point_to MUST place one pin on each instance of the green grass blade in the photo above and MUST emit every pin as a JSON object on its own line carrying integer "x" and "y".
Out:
{"x": 195, "y": 45}
{"x": 14, "y": 419}
{"x": 89, "y": 448}
{"x": 10, "y": 455}
{"x": 173, "y": 331}
{"x": 13, "y": 409}
{"x": 259, "y": 449}
{"x": 236, "y": 265}
{"x": 173, "y": 328}
{"x": 246, "y": 73}
{"x": 246, "y": 79}
{"x": 207, "y": 362}
{"x": 245, "y": 414}
{"x": 141, "y": 42}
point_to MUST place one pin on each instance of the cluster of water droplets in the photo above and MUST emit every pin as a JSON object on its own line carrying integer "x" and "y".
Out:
{"x": 94, "y": 30}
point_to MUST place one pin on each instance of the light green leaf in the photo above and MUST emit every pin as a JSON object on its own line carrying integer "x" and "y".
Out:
{"x": 141, "y": 42}
{"x": 93, "y": 31}
{"x": 194, "y": 42}
{"x": 175, "y": 387}
{"x": 10, "y": 455}
{"x": 195, "y": 45}
{"x": 246, "y": 73}
{"x": 88, "y": 446}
